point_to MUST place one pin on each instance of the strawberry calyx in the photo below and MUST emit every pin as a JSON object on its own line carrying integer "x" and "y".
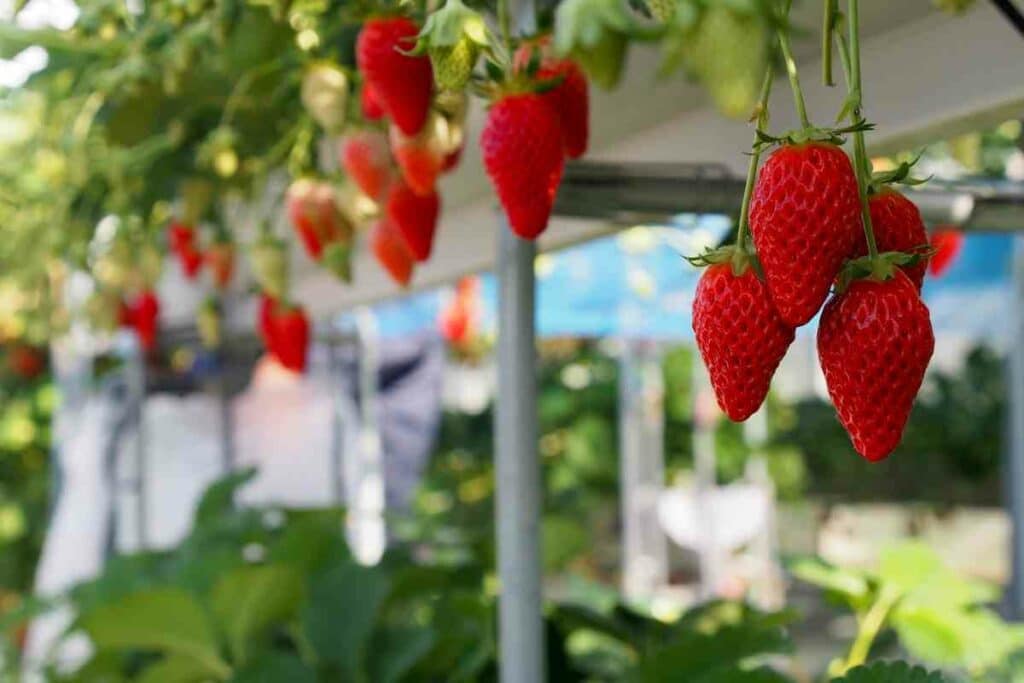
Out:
{"x": 879, "y": 268}
{"x": 337, "y": 258}
{"x": 739, "y": 258}
{"x": 896, "y": 176}
{"x": 449, "y": 25}
{"x": 809, "y": 134}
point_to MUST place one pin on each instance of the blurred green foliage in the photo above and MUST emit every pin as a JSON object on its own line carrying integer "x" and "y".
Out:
{"x": 26, "y": 408}
{"x": 939, "y": 617}
{"x": 274, "y": 595}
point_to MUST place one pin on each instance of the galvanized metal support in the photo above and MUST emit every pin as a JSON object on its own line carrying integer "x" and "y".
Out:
{"x": 517, "y": 467}
{"x": 1015, "y": 433}
{"x": 136, "y": 380}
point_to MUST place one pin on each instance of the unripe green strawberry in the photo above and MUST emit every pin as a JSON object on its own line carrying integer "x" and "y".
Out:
{"x": 269, "y": 263}
{"x": 208, "y": 324}
{"x": 727, "y": 53}
{"x": 453, "y": 64}
{"x": 594, "y": 33}
{"x": 452, "y": 37}
{"x": 604, "y": 61}
{"x": 325, "y": 94}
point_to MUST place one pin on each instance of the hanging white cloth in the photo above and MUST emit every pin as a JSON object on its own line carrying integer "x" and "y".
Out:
{"x": 75, "y": 544}
{"x": 183, "y": 457}
{"x": 284, "y": 426}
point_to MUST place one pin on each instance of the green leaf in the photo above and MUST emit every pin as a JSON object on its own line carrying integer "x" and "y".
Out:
{"x": 219, "y": 498}
{"x": 174, "y": 669}
{"x": 929, "y": 635}
{"x": 168, "y": 620}
{"x": 249, "y": 600}
{"x": 311, "y": 541}
{"x": 397, "y": 650}
{"x": 276, "y": 667}
{"x": 890, "y": 672}
{"x": 341, "y": 613}
{"x": 908, "y": 565}
{"x": 699, "y": 656}
{"x": 849, "y": 583}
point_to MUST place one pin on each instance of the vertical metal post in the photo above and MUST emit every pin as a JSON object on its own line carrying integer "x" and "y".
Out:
{"x": 227, "y": 413}
{"x": 517, "y": 468}
{"x": 137, "y": 404}
{"x": 337, "y": 419}
{"x": 642, "y": 469}
{"x": 1015, "y": 434}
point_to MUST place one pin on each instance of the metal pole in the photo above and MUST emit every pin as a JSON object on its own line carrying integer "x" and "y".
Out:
{"x": 518, "y": 498}
{"x": 137, "y": 404}
{"x": 1015, "y": 449}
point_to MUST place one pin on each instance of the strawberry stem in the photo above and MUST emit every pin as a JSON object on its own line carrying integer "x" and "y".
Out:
{"x": 743, "y": 229}
{"x": 505, "y": 24}
{"x": 794, "y": 77}
{"x": 827, "y": 31}
{"x": 860, "y": 157}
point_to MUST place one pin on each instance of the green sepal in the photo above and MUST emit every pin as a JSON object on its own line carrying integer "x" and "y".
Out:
{"x": 449, "y": 25}
{"x": 899, "y": 175}
{"x": 802, "y": 136}
{"x": 337, "y": 258}
{"x": 548, "y": 84}
{"x": 880, "y": 268}
{"x": 739, "y": 259}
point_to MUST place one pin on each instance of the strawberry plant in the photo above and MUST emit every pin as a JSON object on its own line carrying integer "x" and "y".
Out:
{"x": 939, "y": 617}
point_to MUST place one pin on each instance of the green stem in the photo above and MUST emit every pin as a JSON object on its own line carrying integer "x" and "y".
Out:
{"x": 505, "y": 25}
{"x": 743, "y": 229}
{"x": 794, "y": 76}
{"x": 860, "y": 157}
{"x": 869, "y": 628}
{"x": 827, "y": 31}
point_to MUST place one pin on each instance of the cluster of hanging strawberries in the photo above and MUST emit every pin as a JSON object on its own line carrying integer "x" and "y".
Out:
{"x": 218, "y": 256}
{"x": 825, "y": 232}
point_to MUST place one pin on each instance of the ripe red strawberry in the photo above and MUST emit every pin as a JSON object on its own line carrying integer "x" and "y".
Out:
{"x": 367, "y": 160}
{"x": 265, "y": 319}
{"x": 191, "y": 260}
{"x": 522, "y": 152}
{"x": 897, "y": 227}
{"x": 452, "y": 159}
{"x": 27, "y": 362}
{"x": 420, "y": 157}
{"x": 181, "y": 238}
{"x": 221, "y": 259}
{"x": 370, "y": 104}
{"x": 805, "y": 220}
{"x": 313, "y": 209}
{"x": 947, "y": 243}
{"x": 391, "y": 251}
{"x": 741, "y": 337}
{"x": 180, "y": 235}
{"x": 415, "y": 216}
{"x": 291, "y": 336}
{"x": 401, "y": 83}
{"x": 570, "y": 98}
{"x": 874, "y": 343}
{"x": 142, "y": 315}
